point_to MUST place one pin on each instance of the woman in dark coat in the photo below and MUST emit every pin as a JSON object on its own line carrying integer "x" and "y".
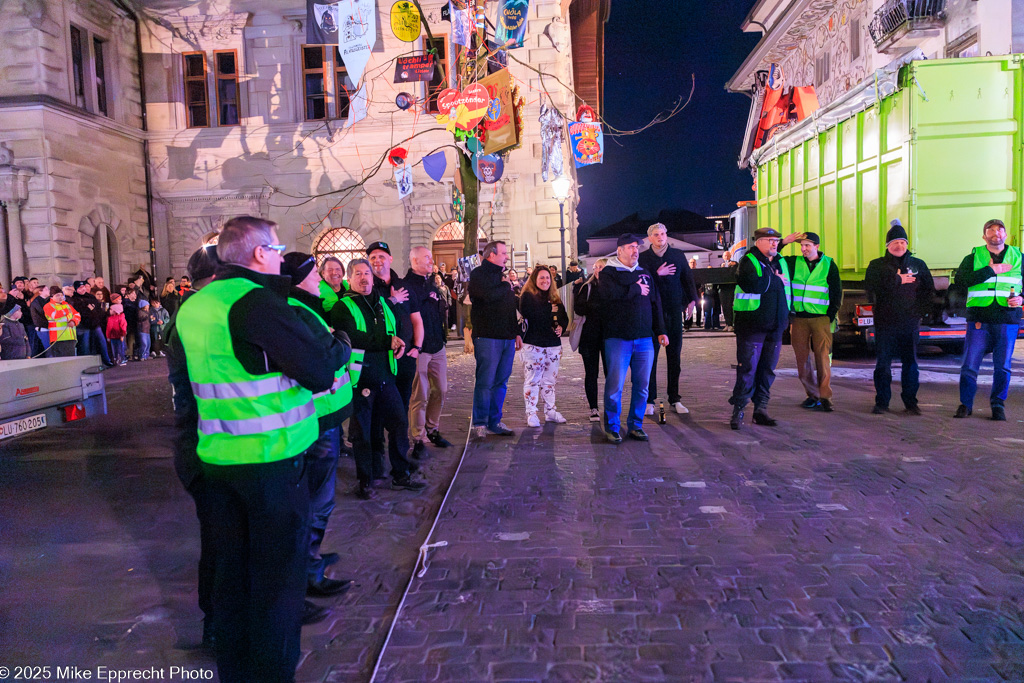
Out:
{"x": 588, "y": 303}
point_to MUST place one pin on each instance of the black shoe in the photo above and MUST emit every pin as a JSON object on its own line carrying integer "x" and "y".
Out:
{"x": 408, "y": 483}
{"x": 501, "y": 430}
{"x": 438, "y": 440}
{"x": 912, "y": 410}
{"x": 879, "y": 410}
{"x": 419, "y": 450}
{"x": 810, "y": 403}
{"x": 365, "y": 492}
{"x": 962, "y": 411}
{"x": 326, "y": 587}
{"x": 999, "y": 413}
{"x": 761, "y": 418}
{"x": 638, "y": 435}
{"x": 313, "y": 613}
{"x": 736, "y": 421}
{"x": 825, "y": 406}
{"x": 612, "y": 436}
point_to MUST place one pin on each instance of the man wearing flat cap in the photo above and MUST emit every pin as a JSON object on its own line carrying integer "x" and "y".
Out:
{"x": 761, "y": 310}
{"x": 633, "y": 318}
{"x": 817, "y": 295}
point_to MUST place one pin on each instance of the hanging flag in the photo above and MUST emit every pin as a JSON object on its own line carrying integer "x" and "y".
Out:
{"x": 462, "y": 110}
{"x": 488, "y": 168}
{"x": 587, "y": 143}
{"x": 357, "y": 34}
{"x": 435, "y": 165}
{"x": 321, "y": 23}
{"x": 446, "y": 12}
{"x": 511, "y": 27}
{"x": 498, "y": 128}
{"x": 462, "y": 24}
{"x": 405, "y": 21}
{"x": 357, "y": 107}
{"x": 415, "y": 68}
{"x": 403, "y": 179}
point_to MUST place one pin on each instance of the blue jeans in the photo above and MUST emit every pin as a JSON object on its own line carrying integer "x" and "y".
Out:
{"x": 494, "y": 358}
{"x": 638, "y": 356}
{"x": 998, "y": 340}
{"x": 896, "y": 343}
{"x": 144, "y": 342}
{"x": 92, "y": 342}
{"x": 44, "y": 339}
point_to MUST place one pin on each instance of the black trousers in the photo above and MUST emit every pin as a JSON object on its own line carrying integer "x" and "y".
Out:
{"x": 259, "y": 521}
{"x": 200, "y": 493}
{"x": 321, "y": 468}
{"x": 403, "y": 382}
{"x": 383, "y": 402}
{"x": 591, "y": 356}
{"x": 893, "y": 343}
{"x": 757, "y": 354}
{"x": 674, "y": 329}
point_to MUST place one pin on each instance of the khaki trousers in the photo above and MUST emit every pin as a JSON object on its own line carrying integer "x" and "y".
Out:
{"x": 812, "y": 344}
{"x": 429, "y": 387}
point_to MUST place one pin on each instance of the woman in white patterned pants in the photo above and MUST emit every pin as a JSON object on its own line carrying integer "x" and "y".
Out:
{"x": 542, "y": 344}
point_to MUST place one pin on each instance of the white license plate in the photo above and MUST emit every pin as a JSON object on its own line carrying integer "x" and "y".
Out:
{"x": 25, "y": 424}
{"x": 865, "y": 322}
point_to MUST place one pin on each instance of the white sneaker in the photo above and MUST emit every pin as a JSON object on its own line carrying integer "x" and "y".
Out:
{"x": 680, "y": 408}
{"x": 595, "y": 415}
{"x": 650, "y": 409}
{"x": 554, "y": 416}
{"x": 480, "y": 432}
{"x": 532, "y": 420}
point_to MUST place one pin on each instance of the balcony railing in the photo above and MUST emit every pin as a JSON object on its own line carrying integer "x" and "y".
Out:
{"x": 897, "y": 18}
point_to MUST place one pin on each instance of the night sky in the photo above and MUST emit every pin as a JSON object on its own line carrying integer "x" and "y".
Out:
{"x": 651, "y": 48}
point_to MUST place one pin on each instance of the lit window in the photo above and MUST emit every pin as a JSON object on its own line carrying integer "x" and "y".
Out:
{"x": 341, "y": 243}
{"x": 196, "y": 103}
{"x": 227, "y": 86}
{"x": 314, "y": 68}
{"x": 343, "y": 87}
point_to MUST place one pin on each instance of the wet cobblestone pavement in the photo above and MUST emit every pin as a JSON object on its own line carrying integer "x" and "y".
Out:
{"x": 840, "y": 547}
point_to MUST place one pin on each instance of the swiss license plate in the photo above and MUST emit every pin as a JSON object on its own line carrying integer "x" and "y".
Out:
{"x": 25, "y": 424}
{"x": 865, "y": 322}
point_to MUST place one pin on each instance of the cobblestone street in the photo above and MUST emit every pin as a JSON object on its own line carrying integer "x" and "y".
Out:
{"x": 834, "y": 547}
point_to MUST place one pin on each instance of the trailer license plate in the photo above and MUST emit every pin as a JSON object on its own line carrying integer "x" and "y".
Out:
{"x": 865, "y": 322}
{"x": 25, "y": 424}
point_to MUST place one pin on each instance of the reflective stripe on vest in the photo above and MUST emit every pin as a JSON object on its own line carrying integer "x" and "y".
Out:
{"x": 340, "y": 394}
{"x": 995, "y": 289}
{"x": 243, "y": 418}
{"x": 744, "y": 301}
{"x": 389, "y": 326}
{"x": 809, "y": 286}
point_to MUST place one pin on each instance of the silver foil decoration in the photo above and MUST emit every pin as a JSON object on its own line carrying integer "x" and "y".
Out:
{"x": 552, "y": 131}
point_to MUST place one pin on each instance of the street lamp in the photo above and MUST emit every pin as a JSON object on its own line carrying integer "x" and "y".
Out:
{"x": 561, "y": 187}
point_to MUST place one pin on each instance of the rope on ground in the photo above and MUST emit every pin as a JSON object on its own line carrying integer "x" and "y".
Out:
{"x": 421, "y": 559}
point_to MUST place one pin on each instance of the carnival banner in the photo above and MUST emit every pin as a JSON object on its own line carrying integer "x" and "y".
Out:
{"x": 405, "y": 21}
{"x": 498, "y": 128}
{"x": 587, "y": 143}
{"x": 510, "y": 29}
{"x": 321, "y": 23}
{"x": 415, "y": 68}
{"x": 462, "y": 24}
{"x": 462, "y": 110}
{"x": 357, "y": 34}
{"x": 357, "y": 107}
{"x": 403, "y": 180}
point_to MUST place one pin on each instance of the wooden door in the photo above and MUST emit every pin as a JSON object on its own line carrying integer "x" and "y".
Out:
{"x": 447, "y": 253}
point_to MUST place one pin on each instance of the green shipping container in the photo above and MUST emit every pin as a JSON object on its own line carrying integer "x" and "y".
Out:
{"x": 944, "y": 154}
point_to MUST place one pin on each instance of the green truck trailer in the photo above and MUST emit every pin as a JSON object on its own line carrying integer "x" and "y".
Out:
{"x": 938, "y": 144}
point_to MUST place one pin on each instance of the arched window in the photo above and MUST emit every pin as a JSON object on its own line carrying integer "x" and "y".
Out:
{"x": 341, "y": 243}
{"x": 455, "y": 231}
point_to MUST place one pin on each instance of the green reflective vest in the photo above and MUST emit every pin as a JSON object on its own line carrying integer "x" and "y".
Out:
{"x": 244, "y": 419}
{"x": 995, "y": 289}
{"x": 751, "y": 302}
{"x": 340, "y": 394}
{"x": 328, "y": 296}
{"x": 389, "y": 325}
{"x": 810, "y": 288}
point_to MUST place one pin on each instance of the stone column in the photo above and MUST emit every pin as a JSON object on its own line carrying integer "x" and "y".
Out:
{"x": 14, "y": 194}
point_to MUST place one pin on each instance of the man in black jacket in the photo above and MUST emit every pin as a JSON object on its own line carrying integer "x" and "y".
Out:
{"x": 762, "y": 315}
{"x": 817, "y": 296}
{"x": 633, "y": 317}
{"x": 39, "y": 321}
{"x": 901, "y": 288}
{"x": 495, "y": 339}
{"x": 258, "y": 496}
{"x": 91, "y": 335}
{"x": 678, "y": 293}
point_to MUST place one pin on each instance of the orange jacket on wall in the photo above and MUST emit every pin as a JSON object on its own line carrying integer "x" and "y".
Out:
{"x": 60, "y": 318}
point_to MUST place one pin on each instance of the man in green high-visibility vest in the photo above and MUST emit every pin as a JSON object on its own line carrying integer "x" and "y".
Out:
{"x": 991, "y": 274}
{"x": 253, "y": 368}
{"x": 817, "y": 295}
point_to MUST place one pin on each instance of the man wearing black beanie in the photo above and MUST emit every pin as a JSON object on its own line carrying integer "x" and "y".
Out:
{"x": 900, "y": 287}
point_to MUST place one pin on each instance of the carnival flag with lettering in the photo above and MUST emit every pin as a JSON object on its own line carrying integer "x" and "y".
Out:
{"x": 435, "y": 165}
{"x": 321, "y": 23}
{"x": 587, "y": 143}
{"x": 357, "y": 34}
{"x": 403, "y": 180}
{"x": 510, "y": 29}
{"x": 357, "y": 107}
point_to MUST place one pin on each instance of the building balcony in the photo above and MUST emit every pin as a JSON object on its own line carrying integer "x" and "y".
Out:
{"x": 902, "y": 24}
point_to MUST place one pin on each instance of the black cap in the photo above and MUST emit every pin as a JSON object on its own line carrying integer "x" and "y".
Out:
{"x": 297, "y": 266}
{"x": 378, "y": 245}
{"x": 811, "y": 237}
{"x": 202, "y": 263}
{"x": 78, "y": 283}
{"x": 628, "y": 239}
{"x": 20, "y": 278}
{"x": 896, "y": 232}
{"x": 761, "y": 233}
